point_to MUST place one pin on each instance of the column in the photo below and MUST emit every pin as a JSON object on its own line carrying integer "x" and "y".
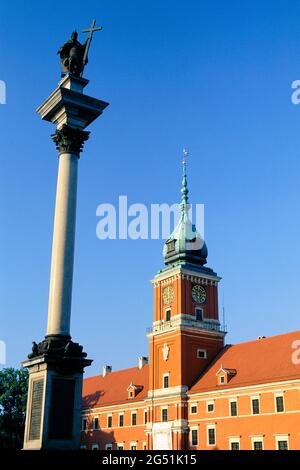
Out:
{"x": 69, "y": 143}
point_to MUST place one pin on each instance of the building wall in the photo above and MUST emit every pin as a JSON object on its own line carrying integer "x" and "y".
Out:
{"x": 268, "y": 426}
{"x": 246, "y": 427}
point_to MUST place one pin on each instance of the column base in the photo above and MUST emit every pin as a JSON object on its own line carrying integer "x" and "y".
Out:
{"x": 53, "y": 413}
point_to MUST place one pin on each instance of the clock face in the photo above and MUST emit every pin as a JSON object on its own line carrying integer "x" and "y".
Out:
{"x": 168, "y": 295}
{"x": 199, "y": 294}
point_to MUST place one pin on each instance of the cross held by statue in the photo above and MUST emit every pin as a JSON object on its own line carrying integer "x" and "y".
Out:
{"x": 91, "y": 31}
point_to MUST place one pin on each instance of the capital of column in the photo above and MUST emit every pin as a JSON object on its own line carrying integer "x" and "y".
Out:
{"x": 69, "y": 140}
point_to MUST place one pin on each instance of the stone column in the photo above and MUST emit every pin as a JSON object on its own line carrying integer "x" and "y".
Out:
{"x": 69, "y": 143}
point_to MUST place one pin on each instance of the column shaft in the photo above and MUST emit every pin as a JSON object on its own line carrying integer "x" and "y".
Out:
{"x": 61, "y": 278}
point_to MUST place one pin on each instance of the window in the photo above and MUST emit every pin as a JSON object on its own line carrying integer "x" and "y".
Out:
{"x": 145, "y": 417}
{"x": 233, "y": 408}
{"x": 109, "y": 421}
{"x": 121, "y": 420}
{"x": 222, "y": 379}
{"x": 282, "y": 445}
{"x": 96, "y": 423}
{"x": 164, "y": 414}
{"x": 255, "y": 406}
{"x": 193, "y": 409}
{"x": 170, "y": 246}
{"x": 144, "y": 446}
{"x": 201, "y": 353}
{"x": 257, "y": 444}
{"x": 211, "y": 436}
{"x": 108, "y": 446}
{"x": 133, "y": 445}
{"x": 95, "y": 447}
{"x": 199, "y": 314}
{"x": 194, "y": 437}
{"x": 234, "y": 445}
{"x": 279, "y": 404}
{"x": 282, "y": 442}
{"x": 84, "y": 424}
{"x": 166, "y": 381}
{"x": 133, "y": 419}
{"x": 120, "y": 446}
{"x": 210, "y": 406}
{"x": 168, "y": 315}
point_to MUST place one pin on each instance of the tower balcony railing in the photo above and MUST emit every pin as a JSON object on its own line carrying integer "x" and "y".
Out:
{"x": 199, "y": 325}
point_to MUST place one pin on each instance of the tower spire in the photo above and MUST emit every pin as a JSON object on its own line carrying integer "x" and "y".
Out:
{"x": 184, "y": 187}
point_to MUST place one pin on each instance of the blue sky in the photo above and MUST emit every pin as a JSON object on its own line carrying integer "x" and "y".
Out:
{"x": 213, "y": 76}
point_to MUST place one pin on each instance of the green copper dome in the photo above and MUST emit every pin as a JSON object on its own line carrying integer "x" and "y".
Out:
{"x": 185, "y": 244}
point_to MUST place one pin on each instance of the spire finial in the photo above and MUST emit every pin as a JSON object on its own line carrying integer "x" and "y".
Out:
{"x": 184, "y": 188}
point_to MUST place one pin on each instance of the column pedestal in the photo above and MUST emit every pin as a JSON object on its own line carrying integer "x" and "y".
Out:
{"x": 54, "y": 395}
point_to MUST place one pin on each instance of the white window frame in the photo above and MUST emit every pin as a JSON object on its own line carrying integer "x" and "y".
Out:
{"x": 134, "y": 413}
{"x": 133, "y": 444}
{"x": 120, "y": 444}
{"x": 277, "y": 395}
{"x": 120, "y": 414}
{"x": 84, "y": 419}
{"x": 233, "y": 400}
{"x": 222, "y": 382}
{"x": 202, "y": 313}
{"x": 164, "y": 408}
{"x": 194, "y": 428}
{"x": 234, "y": 440}
{"x": 192, "y": 405}
{"x": 256, "y": 397}
{"x": 210, "y": 402}
{"x": 208, "y": 427}
{"x": 166, "y": 374}
{"x": 107, "y": 418}
{"x": 282, "y": 437}
{"x": 257, "y": 439}
{"x": 168, "y": 310}
{"x": 94, "y": 427}
{"x": 204, "y": 352}
{"x": 95, "y": 446}
{"x": 109, "y": 444}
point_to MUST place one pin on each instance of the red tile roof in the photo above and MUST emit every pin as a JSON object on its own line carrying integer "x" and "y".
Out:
{"x": 112, "y": 389}
{"x": 256, "y": 362}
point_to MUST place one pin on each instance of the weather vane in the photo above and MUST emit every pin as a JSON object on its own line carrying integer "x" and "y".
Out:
{"x": 74, "y": 55}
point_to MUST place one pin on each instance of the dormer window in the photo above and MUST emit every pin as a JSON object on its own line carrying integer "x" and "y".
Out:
{"x": 170, "y": 246}
{"x": 133, "y": 390}
{"x": 224, "y": 375}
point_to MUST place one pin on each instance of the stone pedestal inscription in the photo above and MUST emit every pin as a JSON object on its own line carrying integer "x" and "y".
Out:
{"x": 36, "y": 409}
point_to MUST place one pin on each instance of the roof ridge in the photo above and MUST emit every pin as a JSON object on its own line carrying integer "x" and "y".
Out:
{"x": 260, "y": 339}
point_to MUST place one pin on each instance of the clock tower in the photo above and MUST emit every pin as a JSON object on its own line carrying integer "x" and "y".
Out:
{"x": 186, "y": 333}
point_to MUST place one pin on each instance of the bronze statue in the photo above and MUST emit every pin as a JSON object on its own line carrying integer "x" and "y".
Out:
{"x": 74, "y": 55}
{"x": 71, "y": 56}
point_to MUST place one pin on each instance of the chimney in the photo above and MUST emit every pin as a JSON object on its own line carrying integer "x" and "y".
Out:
{"x": 142, "y": 361}
{"x": 106, "y": 370}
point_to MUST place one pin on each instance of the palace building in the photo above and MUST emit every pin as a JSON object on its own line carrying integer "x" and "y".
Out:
{"x": 195, "y": 392}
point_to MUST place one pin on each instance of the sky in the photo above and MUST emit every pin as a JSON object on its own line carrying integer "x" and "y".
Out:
{"x": 213, "y": 76}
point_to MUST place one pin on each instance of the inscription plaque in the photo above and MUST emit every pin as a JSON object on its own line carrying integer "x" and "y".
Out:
{"x": 36, "y": 409}
{"x": 62, "y": 409}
